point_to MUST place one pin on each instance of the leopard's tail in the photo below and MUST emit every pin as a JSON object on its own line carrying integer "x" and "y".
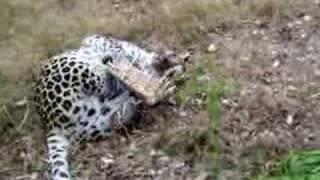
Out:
{"x": 58, "y": 147}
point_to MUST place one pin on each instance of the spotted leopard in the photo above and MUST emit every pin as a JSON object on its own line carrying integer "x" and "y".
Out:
{"x": 79, "y": 100}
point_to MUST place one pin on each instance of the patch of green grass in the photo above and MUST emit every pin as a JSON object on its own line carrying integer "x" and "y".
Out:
{"x": 39, "y": 166}
{"x": 3, "y": 79}
{"x": 204, "y": 81}
{"x": 217, "y": 90}
{"x": 75, "y": 168}
{"x": 198, "y": 78}
{"x": 304, "y": 165}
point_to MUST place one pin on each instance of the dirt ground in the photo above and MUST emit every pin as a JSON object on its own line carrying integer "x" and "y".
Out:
{"x": 277, "y": 66}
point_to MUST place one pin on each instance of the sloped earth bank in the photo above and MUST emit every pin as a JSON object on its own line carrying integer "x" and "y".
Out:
{"x": 278, "y": 68}
{"x": 277, "y": 109}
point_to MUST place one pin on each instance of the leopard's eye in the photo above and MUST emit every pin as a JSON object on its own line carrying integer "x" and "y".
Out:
{"x": 107, "y": 59}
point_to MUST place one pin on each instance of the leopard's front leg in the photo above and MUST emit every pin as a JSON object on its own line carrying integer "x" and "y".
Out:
{"x": 151, "y": 89}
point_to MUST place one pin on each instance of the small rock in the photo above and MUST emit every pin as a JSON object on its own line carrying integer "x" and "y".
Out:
{"x": 107, "y": 162}
{"x": 132, "y": 150}
{"x": 303, "y": 35}
{"x": 289, "y": 120}
{"x": 311, "y": 136}
{"x": 274, "y": 53}
{"x": 310, "y": 49}
{"x": 258, "y": 22}
{"x": 179, "y": 165}
{"x": 290, "y": 79}
{"x": 275, "y": 90}
{"x": 212, "y": 48}
{"x": 132, "y": 147}
{"x": 22, "y": 102}
{"x": 202, "y": 176}
{"x": 153, "y": 153}
{"x": 23, "y": 155}
{"x": 298, "y": 22}
{"x": 292, "y": 88}
{"x": 225, "y": 102}
{"x": 245, "y": 58}
{"x": 123, "y": 140}
{"x": 307, "y": 18}
{"x": 160, "y": 153}
{"x": 116, "y": 6}
{"x": 290, "y": 25}
{"x": 317, "y": 72}
{"x": 160, "y": 172}
{"x": 183, "y": 114}
{"x": 245, "y": 134}
{"x": 267, "y": 133}
{"x": 164, "y": 159}
{"x": 276, "y": 64}
{"x": 34, "y": 176}
{"x": 229, "y": 38}
{"x": 152, "y": 172}
{"x": 140, "y": 171}
{"x": 255, "y": 32}
{"x": 130, "y": 155}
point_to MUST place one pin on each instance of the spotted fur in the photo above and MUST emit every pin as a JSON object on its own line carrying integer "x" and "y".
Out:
{"x": 78, "y": 99}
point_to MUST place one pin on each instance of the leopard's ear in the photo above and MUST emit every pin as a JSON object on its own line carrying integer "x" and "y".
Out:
{"x": 163, "y": 61}
{"x": 91, "y": 39}
{"x": 107, "y": 34}
{"x": 113, "y": 36}
{"x": 107, "y": 59}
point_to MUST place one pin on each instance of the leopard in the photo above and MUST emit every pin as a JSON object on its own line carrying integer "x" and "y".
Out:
{"x": 79, "y": 100}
